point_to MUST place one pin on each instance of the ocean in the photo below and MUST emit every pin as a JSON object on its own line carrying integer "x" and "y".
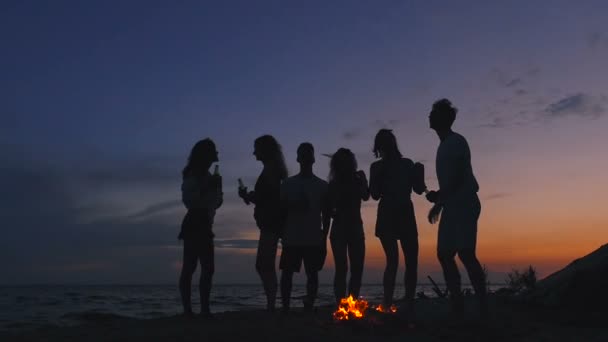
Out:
{"x": 24, "y": 307}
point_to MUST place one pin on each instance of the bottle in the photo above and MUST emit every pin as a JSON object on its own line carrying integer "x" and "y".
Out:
{"x": 217, "y": 178}
{"x": 242, "y": 188}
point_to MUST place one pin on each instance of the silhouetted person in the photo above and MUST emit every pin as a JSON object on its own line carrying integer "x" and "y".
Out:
{"x": 347, "y": 187}
{"x": 267, "y": 212}
{"x": 202, "y": 195}
{"x": 392, "y": 179}
{"x": 304, "y": 199}
{"x": 457, "y": 195}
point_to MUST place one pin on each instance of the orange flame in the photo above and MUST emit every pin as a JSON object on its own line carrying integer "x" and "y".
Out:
{"x": 350, "y": 308}
{"x": 381, "y": 308}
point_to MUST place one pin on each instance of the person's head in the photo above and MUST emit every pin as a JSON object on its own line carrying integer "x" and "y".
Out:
{"x": 385, "y": 145}
{"x": 267, "y": 150}
{"x": 202, "y": 155}
{"x": 442, "y": 115}
{"x": 306, "y": 154}
{"x": 343, "y": 164}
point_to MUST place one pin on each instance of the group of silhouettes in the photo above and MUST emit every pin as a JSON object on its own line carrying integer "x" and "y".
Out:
{"x": 303, "y": 210}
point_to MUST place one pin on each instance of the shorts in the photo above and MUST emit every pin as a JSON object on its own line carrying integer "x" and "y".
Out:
{"x": 312, "y": 256}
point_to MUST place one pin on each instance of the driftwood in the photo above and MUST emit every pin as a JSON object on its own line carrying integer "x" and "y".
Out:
{"x": 437, "y": 290}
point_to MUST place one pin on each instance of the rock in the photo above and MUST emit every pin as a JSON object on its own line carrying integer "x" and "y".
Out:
{"x": 581, "y": 284}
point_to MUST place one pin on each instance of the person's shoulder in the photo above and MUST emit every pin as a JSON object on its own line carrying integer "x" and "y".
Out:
{"x": 320, "y": 181}
{"x": 376, "y": 164}
{"x": 459, "y": 140}
{"x": 407, "y": 161}
{"x": 291, "y": 179}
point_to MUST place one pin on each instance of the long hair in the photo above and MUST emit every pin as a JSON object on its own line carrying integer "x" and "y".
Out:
{"x": 386, "y": 142}
{"x": 343, "y": 165}
{"x": 201, "y": 154}
{"x": 271, "y": 153}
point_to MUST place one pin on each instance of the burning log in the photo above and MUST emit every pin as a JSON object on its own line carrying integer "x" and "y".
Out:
{"x": 350, "y": 308}
{"x": 383, "y": 309}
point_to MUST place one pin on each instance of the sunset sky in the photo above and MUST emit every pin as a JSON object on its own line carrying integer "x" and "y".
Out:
{"x": 101, "y": 102}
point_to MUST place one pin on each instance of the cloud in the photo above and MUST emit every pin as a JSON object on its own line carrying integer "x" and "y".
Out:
{"x": 597, "y": 40}
{"x": 497, "y": 122}
{"x": 357, "y": 132}
{"x": 47, "y": 241}
{"x": 497, "y": 195}
{"x": 156, "y": 209}
{"x": 577, "y": 105}
{"x": 351, "y": 134}
{"x": 521, "y": 92}
{"x": 236, "y": 243}
{"x": 513, "y": 82}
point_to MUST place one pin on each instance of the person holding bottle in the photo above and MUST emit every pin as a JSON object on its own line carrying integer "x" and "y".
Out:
{"x": 202, "y": 196}
{"x": 267, "y": 212}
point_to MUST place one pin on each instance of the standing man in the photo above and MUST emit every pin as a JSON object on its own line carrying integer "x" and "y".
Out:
{"x": 304, "y": 199}
{"x": 457, "y": 195}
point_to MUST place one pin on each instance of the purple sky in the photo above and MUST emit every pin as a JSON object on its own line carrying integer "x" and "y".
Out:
{"x": 102, "y": 101}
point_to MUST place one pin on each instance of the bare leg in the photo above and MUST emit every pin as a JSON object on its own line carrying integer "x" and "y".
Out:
{"x": 477, "y": 277}
{"x": 190, "y": 259}
{"x": 339, "y": 250}
{"x": 410, "y": 253}
{"x": 390, "y": 272}
{"x": 356, "y": 254}
{"x": 452, "y": 279}
{"x": 286, "y": 284}
{"x": 265, "y": 266}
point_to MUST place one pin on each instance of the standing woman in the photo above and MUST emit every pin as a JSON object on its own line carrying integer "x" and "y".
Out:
{"x": 347, "y": 187}
{"x": 392, "y": 179}
{"x": 267, "y": 212}
{"x": 202, "y": 195}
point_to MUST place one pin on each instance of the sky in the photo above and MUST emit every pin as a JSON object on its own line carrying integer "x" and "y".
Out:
{"x": 102, "y": 101}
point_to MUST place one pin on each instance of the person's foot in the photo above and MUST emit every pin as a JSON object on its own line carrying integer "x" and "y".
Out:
{"x": 308, "y": 305}
{"x": 208, "y": 316}
{"x": 188, "y": 314}
{"x": 270, "y": 306}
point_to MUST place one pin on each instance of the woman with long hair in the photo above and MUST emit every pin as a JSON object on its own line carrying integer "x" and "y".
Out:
{"x": 267, "y": 212}
{"x": 347, "y": 188}
{"x": 202, "y": 195}
{"x": 392, "y": 179}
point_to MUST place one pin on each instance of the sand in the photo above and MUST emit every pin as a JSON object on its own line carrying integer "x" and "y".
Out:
{"x": 509, "y": 321}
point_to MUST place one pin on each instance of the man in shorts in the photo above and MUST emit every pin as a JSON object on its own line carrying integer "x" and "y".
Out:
{"x": 304, "y": 198}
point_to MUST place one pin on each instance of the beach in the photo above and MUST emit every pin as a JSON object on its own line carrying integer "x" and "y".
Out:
{"x": 508, "y": 321}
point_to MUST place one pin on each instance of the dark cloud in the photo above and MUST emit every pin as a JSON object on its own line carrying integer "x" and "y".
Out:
{"x": 497, "y": 195}
{"x": 514, "y": 82}
{"x": 156, "y": 209}
{"x": 351, "y": 134}
{"x": 577, "y": 105}
{"x": 236, "y": 243}
{"x": 141, "y": 171}
{"x": 496, "y": 122}
{"x": 357, "y": 132}
{"x": 597, "y": 40}
{"x": 521, "y": 92}
{"x": 47, "y": 238}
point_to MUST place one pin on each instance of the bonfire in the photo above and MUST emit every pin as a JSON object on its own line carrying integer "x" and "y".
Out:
{"x": 354, "y": 309}
{"x": 384, "y": 309}
{"x": 350, "y": 308}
